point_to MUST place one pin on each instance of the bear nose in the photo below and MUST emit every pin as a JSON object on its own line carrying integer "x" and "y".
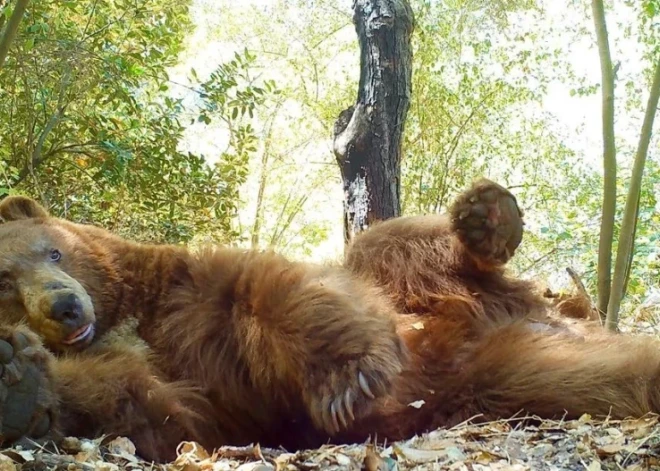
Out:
{"x": 67, "y": 309}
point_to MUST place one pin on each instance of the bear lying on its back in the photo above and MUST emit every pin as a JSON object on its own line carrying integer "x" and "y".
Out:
{"x": 102, "y": 335}
{"x": 240, "y": 344}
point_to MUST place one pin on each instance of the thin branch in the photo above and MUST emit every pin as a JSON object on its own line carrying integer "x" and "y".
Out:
{"x": 263, "y": 179}
{"x": 37, "y": 158}
{"x": 454, "y": 145}
{"x": 103, "y": 28}
{"x": 72, "y": 148}
{"x": 539, "y": 260}
{"x": 578, "y": 282}
{"x": 89, "y": 19}
{"x": 292, "y": 216}
{"x": 12, "y": 29}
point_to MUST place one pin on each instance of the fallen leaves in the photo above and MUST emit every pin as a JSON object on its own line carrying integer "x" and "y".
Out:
{"x": 417, "y": 404}
{"x": 193, "y": 457}
{"x": 373, "y": 461}
{"x": 584, "y": 444}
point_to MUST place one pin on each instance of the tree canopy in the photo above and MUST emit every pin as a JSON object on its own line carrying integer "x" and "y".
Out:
{"x": 185, "y": 121}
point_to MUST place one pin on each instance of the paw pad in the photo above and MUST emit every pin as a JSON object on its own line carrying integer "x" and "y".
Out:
{"x": 22, "y": 377}
{"x": 488, "y": 221}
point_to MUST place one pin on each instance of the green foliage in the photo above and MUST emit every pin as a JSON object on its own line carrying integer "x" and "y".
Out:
{"x": 292, "y": 197}
{"x": 481, "y": 77}
{"x": 92, "y": 133}
{"x": 240, "y": 150}
{"x": 488, "y": 81}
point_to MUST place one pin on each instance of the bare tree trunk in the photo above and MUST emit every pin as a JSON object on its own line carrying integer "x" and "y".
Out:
{"x": 12, "y": 29}
{"x": 263, "y": 180}
{"x": 367, "y": 136}
{"x": 259, "y": 211}
{"x": 629, "y": 223}
{"x": 609, "y": 159}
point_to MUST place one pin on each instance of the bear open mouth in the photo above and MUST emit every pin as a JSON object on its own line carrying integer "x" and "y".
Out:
{"x": 79, "y": 335}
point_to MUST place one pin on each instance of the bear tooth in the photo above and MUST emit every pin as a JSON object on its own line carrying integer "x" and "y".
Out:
{"x": 80, "y": 336}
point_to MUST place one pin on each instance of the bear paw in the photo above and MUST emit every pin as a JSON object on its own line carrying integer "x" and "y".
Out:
{"x": 488, "y": 222}
{"x": 341, "y": 395}
{"x": 26, "y": 399}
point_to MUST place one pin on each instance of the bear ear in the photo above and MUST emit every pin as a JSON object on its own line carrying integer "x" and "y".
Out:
{"x": 13, "y": 208}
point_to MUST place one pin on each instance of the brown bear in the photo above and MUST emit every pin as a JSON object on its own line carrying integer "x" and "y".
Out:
{"x": 226, "y": 347}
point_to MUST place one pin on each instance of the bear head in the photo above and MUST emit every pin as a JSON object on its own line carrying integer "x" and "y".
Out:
{"x": 48, "y": 276}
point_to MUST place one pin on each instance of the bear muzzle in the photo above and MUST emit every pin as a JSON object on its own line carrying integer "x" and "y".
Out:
{"x": 68, "y": 310}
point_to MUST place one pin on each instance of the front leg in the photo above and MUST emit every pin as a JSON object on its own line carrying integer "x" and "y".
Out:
{"x": 118, "y": 392}
{"x": 43, "y": 397}
{"x": 329, "y": 334}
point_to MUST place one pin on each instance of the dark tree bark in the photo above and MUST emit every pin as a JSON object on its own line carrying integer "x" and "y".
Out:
{"x": 367, "y": 135}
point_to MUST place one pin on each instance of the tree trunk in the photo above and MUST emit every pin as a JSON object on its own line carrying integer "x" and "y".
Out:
{"x": 259, "y": 211}
{"x": 368, "y": 135}
{"x": 609, "y": 158}
{"x": 629, "y": 223}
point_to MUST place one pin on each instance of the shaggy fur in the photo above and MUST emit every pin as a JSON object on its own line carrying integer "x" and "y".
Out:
{"x": 233, "y": 347}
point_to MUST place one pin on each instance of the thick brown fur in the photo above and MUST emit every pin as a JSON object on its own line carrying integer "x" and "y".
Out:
{"x": 232, "y": 347}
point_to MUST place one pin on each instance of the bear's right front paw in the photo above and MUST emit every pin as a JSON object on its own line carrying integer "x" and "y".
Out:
{"x": 341, "y": 393}
{"x": 26, "y": 399}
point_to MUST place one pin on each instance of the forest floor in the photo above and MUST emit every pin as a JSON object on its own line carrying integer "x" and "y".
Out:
{"x": 583, "y": 444}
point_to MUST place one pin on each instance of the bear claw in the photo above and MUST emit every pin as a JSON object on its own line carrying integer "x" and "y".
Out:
{"x": 341, "y": 409}
{"x": 338, "y": 411}
{"x": 365, "y": 386}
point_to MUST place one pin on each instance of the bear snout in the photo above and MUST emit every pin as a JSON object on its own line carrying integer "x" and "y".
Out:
{"x": 68, "y": 309}
{"x": 54, "y": 286}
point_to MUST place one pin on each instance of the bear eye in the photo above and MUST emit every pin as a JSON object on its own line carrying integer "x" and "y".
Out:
{"x": 55, "y": 255}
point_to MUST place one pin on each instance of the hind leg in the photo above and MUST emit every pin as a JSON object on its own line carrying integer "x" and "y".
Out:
{"x": 424, "y": 262}
{"x": 484, "y": 223}
{"x": 487, "y": 220}
{"x": 559, "y": 374}
{"x": 518, "y": 371}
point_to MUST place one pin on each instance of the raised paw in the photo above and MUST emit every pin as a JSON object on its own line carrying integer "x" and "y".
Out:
{"x": 488, "y": 222}
{"x": 26, "y": 399}
{"x": 343, "y": 394}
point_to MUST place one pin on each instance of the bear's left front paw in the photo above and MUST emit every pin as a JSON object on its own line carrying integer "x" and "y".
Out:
{"x": 341, "y": 393}
{"x": 27, "y": 402}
